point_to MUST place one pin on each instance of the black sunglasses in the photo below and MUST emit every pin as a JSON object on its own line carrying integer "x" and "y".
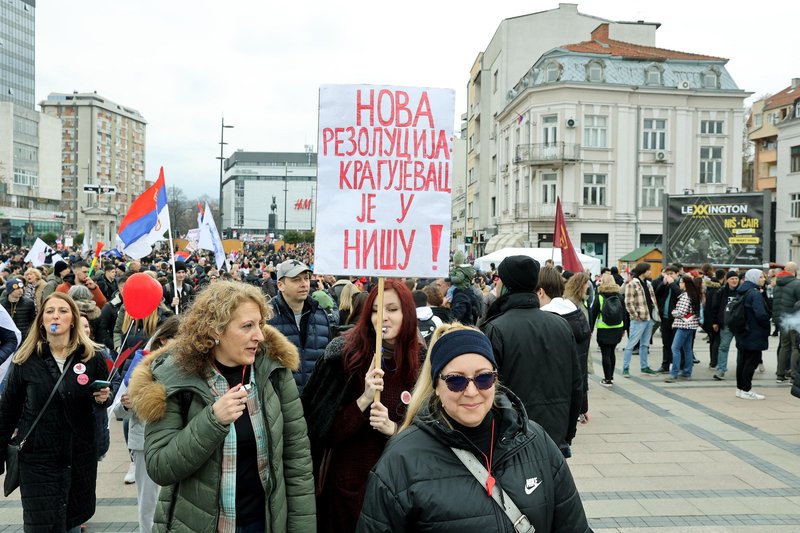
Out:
{"x": 458, "y": 383}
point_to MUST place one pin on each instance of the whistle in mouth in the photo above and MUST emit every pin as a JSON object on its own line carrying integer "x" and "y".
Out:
{"x": 52, "y": 328}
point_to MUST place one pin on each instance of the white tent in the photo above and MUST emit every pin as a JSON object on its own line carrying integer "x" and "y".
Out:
{"x": 540, "y": 254}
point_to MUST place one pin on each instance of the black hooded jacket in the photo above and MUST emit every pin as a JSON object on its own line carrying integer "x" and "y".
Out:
{"x": 537, "y": 358}
{"x": 420, "y": 485}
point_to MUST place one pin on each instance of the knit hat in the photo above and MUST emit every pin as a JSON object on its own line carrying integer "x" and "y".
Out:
{"x": 519, "y": 273}
{"x": 731, "y": 274}
{"x": 461, "y": 273}
{"x": 60, "y": 267}
{"x": 180, "y": 266}
{"x": 459, "y": 342}
{"x": 753, "y": 275}
{"x": 121, "y": 267}
{"x": 13, "y": 284}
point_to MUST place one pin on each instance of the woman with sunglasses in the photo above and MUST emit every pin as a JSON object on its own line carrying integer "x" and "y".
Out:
{"x": 348, "y": 430}
{"x": 420, "y": 484}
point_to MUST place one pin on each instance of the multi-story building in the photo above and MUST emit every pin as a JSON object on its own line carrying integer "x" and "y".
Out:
{"x": 268, "y": 193}
{"x": 610, "y": 127}
{"x": 765, "y": 114}
{"x": 517, "y": 43}
{"x": 102, "y": 161}
{"x": 30, "y": 166}
{"x": 787, "y": 195}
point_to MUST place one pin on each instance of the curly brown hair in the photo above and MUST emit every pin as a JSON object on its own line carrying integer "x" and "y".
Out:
{"x": 207, "y": 319}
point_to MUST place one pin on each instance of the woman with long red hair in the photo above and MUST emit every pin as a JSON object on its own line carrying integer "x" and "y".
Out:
{"x": 348, "y": 430}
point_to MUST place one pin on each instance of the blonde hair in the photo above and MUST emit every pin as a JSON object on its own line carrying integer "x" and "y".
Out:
{"x": 37, "y": 337}
{"x": 36, "y": 272}
{"x": 575, "y": 289}
{"x": 207, "y": 319}
{"x": 608, "y": 285}
{"x": 424, "y": 390}
{"x": 346, "y": 296}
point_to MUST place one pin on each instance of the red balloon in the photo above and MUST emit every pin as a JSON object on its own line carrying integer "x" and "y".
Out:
{"x": 141, "y": 295}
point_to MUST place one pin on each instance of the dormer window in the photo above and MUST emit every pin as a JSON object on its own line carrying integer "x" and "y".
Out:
{"x": 552, "y": 72}
{"x": 711, "y": 79}
{"x": 594, "y": 71}
{"x": 797, "y": 109}
{"x": 653, "y": 76}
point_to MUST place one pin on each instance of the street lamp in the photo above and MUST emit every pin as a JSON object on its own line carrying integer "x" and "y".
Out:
{"x": 221, "y": 158}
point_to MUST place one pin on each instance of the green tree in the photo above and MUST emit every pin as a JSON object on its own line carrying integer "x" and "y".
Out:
{"x": 293, "y": 237}
{"x": 78, "y": 240}
{"x": 49, "y": 238}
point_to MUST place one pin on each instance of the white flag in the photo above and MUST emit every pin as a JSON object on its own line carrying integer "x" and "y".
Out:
{"x": 41, "y": 254}
{"x": 209, "y": 237}
{"x": 7, "y": 323}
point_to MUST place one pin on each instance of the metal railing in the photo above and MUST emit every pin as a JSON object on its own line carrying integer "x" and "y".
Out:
{"x": 547, "y": 152}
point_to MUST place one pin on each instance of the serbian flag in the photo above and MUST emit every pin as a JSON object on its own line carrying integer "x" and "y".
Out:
{"x": 183, "y": 255}
{"x": 146, "y": 221}
{"x": 569, "y": 257}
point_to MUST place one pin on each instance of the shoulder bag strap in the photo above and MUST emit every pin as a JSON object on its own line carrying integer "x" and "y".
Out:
{"x": 52, "y": 393}
{"x": 519, "y": 520}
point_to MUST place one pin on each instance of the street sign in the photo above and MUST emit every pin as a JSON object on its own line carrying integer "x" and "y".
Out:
{"x": 100, "y": 189}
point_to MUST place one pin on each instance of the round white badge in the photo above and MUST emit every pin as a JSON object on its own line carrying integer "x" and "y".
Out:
{"x": 79, "y": 368}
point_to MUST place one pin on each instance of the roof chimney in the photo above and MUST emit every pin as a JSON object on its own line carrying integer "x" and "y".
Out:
{"x": 795, "y": 83}
{"x": 600, "y": 33}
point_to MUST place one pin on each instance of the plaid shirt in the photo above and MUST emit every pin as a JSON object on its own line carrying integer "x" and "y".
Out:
{"x": 635, "y": 301}
{"x": 227, "y": 494}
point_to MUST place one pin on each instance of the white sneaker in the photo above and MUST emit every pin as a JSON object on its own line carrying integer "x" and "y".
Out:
{"x": 738, "y": 393}
{"x": 130, "y": 475}
{"x": 750, "y": 395}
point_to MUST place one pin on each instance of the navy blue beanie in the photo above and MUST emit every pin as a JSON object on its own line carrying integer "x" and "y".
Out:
{"x": 459, "y": 342}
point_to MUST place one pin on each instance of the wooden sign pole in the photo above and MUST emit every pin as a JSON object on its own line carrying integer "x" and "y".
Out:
{"x": 378, "y": 333}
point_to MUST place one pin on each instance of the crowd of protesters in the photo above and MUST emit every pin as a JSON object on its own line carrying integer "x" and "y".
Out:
{"x": 255, "y": 403}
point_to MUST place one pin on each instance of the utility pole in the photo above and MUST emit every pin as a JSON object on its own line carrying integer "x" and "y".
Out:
{"x": 221, "y": 158}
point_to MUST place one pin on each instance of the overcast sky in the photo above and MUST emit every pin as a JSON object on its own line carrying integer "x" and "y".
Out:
{"x": 184, "y": 64}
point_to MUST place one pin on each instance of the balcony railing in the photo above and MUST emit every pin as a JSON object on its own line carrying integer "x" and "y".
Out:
{"x": 538, "y": 211}
{"x": 540, "y": 153}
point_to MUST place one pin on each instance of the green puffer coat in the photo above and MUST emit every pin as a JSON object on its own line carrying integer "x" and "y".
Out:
{"x": 188, "y": 460}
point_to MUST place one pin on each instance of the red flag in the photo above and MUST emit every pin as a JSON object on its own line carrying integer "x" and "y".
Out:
{"x": 569, "y": 257}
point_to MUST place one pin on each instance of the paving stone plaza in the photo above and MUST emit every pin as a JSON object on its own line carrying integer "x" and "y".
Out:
{"x": 655, "y": 456}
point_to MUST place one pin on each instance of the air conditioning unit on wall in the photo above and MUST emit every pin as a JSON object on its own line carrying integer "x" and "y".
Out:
{"x": 684, "y": 85}
{"x": 571, "y": 122}
{"x": 661, "y": 155}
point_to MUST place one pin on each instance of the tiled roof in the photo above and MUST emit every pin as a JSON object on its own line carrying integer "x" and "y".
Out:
{"x": 601, "y": 44}
{"x": 783, "y": 98}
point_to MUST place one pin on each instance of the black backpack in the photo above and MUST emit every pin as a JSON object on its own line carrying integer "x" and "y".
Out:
{"x": 426, "y": 328}
{"x": 611, "y": 310}
{"x": 735, "y": 315}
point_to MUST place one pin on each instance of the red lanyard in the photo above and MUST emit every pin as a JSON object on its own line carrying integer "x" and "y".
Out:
{"x": 244, "y": 369}
{"x": 490, "y": 481}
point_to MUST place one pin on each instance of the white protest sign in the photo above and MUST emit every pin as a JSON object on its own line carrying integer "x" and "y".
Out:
{"x": 384, "y": 178}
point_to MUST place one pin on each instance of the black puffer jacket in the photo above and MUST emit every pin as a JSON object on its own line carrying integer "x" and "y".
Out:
{"x": 420, "y": 485}
{"x": 785, "y": 295}
{"x": 311, "y": 338}
{"x": 537, "y": 358}
{"x": 23, "y": 313}
{"x": 58, "y": 465}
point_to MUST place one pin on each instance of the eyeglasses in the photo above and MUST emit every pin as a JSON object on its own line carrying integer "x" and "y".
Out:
{"x": 458, "y": 383}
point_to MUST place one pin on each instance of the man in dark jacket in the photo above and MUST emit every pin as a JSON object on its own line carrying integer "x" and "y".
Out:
{"x": 56, "y": 278}
{"x": 784, "y": 297}
{"x": 299, "y": 317}
{"x": 22, "y": 310}
{"x": 179, "y": 295}
{"x": 524, "y": 339}
{"x": 722, "y": 299}
{"x": 667, "y": 293}
{"x": 753, "y": 340}
{"x": 108, "y": 281}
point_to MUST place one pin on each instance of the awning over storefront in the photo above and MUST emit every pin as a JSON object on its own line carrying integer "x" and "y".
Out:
{"x": 505, "y": 240}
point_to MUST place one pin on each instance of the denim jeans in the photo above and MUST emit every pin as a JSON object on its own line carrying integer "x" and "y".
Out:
{"x": 682, "y": 345}
{"x": 725, "y": 338}
{"x": 640, "y": 333}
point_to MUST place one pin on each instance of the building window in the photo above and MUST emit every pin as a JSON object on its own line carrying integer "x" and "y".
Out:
{"x": 757, "y": 120}
{"x": 794, "y": 159}
{"x": 654, "y": 136}
{"x": 470, "y": 209}
{"x": 26, "y": 178}
{"x": 552, "y": 72}
{"x": 711, "y": 127}
{"x": 494, "y": 206}
{"x": 794, "y": 205}
{"x": 710, "y": 80}
{"x": 653, "y": 76}
{"x": 710, "y": 164}
{"x": 506, "y": 197}
{"x": 494, "y": 81}
{"x": 652, "y": 191}
{"x": 594, "y": 189}
{"x": 238, "y": 207}
{"x": 549, "y": 188}
{"x": 594, "y": 131}
{"x": 594, "y": 71}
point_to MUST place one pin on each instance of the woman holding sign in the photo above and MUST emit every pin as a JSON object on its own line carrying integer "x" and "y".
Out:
{"x": 348, "y": 429}
{"x": 58, "y": 462}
